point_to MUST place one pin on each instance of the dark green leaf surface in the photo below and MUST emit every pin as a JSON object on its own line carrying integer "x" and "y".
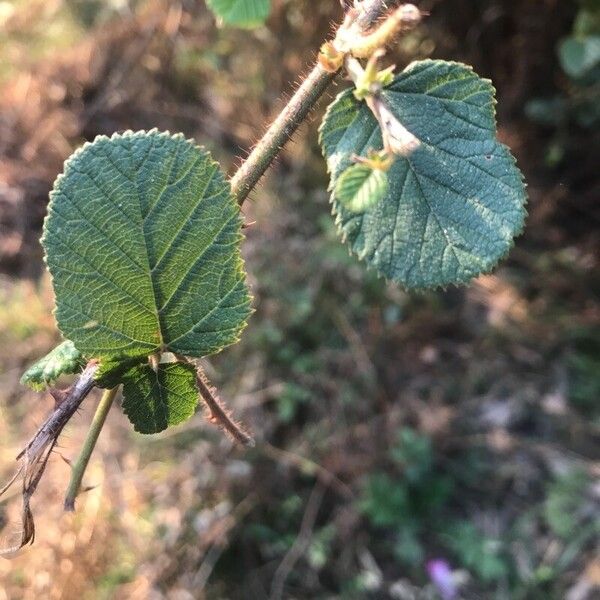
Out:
{"x": 142, "y": 240}
{"x": 242, "y": 13}
{"x": 154, "y": 401}
{"x": 455, "y": 203}
{"x": 63, "y": 360}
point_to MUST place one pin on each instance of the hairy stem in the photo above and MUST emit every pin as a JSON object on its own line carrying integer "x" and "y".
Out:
{"x": 88, "y": 447}
{"x": 294, "y": 113}
{"x": 218, "y": 414}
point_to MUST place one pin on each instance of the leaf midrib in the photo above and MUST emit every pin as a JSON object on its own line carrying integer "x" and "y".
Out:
{"x": 156, "y": 312}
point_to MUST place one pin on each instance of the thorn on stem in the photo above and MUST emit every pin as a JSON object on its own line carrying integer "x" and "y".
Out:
{"x": 65, "y": 459}
{"x": 59, "y": 395}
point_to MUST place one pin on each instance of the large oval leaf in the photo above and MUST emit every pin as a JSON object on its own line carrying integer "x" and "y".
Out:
{"x": 142, "y": 240}
{"x": 455, "y": 203}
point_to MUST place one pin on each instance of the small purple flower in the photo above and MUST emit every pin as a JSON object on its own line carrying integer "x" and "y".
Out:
{"x": 442, "y": 577}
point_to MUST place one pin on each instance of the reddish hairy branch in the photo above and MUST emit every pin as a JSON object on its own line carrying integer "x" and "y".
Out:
{"x": 218, "y": 414}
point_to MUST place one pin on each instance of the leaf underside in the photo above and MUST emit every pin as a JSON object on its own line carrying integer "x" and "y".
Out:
{"x": 453, "y": 205}
{"x": 242, "y": 13}
{"x": 142, "y": 240}
{"x": 63, "y": 360}
{"x": 155, "y": 400}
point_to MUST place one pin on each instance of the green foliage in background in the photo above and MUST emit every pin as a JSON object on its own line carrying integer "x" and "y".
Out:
{"x": 455, "y": 203}
{"x": 584, "y": 373}
{"x": 563, "y": 502}
{"x": 241, "y": 13}
{"x": 483, "y": 555}
{"x": 580, "y": 53}
{"x": 414, "y": 509}
{"x": 406, "y": 503}
{"x": 579, "y": 58}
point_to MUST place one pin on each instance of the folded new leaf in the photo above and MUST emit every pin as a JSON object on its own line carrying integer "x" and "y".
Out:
{"x": 65, "y": 359}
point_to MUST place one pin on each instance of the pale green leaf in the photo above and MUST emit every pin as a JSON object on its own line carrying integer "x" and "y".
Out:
{"x": 143, "y": 240}
{"x": 454, "y": 203}
{"x": 578, "y": 56}
{"x": 63, "y": 360}
{"x": 155, "y": 400}
{"x": 360, "y": 187}
{"x": 242, "y": 13}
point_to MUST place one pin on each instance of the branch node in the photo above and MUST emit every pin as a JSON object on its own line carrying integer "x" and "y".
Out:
{"x": 359, "y": 21}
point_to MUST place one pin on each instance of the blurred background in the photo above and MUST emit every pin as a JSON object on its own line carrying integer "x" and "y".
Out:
{"x": 405, "y": 440}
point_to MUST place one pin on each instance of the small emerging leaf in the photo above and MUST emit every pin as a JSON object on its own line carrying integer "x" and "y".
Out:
{"x": 63, "y": 360}
{"x": 360, "y": 187}
{"x": 154, "y": 401}
{"x": 242, "y": 13}
{"x": 454, "y": 203}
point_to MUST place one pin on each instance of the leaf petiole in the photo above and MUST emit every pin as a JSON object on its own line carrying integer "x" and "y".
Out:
{"x": 78, "y": 469}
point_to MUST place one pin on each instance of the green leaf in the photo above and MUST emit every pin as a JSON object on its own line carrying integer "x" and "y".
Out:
{"x": 242, "y": 13}
{"x": 154, "y": 401}
{"x": 111, "y": 369}
{"x": 483, "y": 555}
{"x": 564, "y": 500}
{"x": 454, "y": 203}
{"x": 578, "y": 56}
{"x": 63, "y": 360}
{"x": 386, "y": 501}
{"x": 143, "y": 240}
{"x": 360, "y": 187}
